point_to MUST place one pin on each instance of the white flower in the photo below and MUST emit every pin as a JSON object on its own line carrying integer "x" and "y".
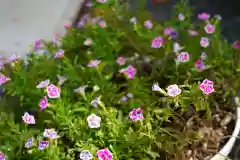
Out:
{"x": 61, "y": 80}
{"x": 181, "y": 17}
{"x": 50, "y": 133}
{"x": 156, "y": 87}
{"x": 95, "y": 88}
{"x": 88, "y": 42}
{"x": 81, "y": 90}
{"x": 43, "y": 84}
{"x": 133, "y": 20}
{"x": 86, "y": 155}
{"x": 204, "y": 42}
{"x": 97, "y": 101}
{"x": 173, "y": 90}
{"x": 177, "y": 47}
{"x": 93, "y": 121}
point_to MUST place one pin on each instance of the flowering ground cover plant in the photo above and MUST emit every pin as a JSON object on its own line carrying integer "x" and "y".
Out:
{"x": 121, "y": 87}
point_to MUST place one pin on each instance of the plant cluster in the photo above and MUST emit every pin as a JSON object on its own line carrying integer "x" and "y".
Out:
{"x": 121, "y": 86}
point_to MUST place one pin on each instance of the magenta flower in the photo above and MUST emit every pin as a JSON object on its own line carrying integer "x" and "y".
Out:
{"x": 207, "y": 86}
{"x": 130, "y": 72}
{"x": 102, "y": 1}
{"x": 236, "y": 44}
{"x": 43, "y": 84}
{"x": 102, "y": 24}
{"x": 136, "y": 114}
{"x": 121, "y": 61}
{"x": 28, "y": 119}
{"x": 2, "y": 156}
{"x": 94, "y": 63}
{"x": 59, "y": 53}
{"x": 66, "y": 25}
{"x": 192, "y": 32}
{"x": 204, "y": 42}
{"x": 173, "y": 90}
{"x": 53, "y": 91}
{"x": 157, "y": 42}
{"x": 3, "y": 79}
{"x": 50, "y": 133}
{"x": 104, "y": 154}
{"x": 148, "y": 24}
{"x": 200, "y": 65}
{"x": 209, "y": 28}
{"x": 43, "y": 103}
{"x": 37, "y": 45}
{"x": 43, "y": 144}
{"x": 183, "y": 57}
{"x": 29, "y": 143}
{"x": 203, "y": 16}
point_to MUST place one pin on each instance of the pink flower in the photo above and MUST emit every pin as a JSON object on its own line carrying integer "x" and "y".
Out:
{"x": 43, "y": 84}
{"x": 209, "y": 28}
{"x": 88, "y": 42}
{"x": 183, "y": 57}
{"x": 203, "y": 16}
{"x": 104, "y": 154}
{"x": 130, "y": 71}
{"x": 94, "y": 63}
{"x": 50, "y": 133}
{"x": 136, "y": 114}
{"x": 236, "y": 45}
{"x": 2, "y": 156}
{"x": 66, "y": 25}
{"x": 28, "y": 119}
{"x": 59, "y": 53}
{"x": 207, "y": 86}
{"x": 43, "y": 103}
{"x": 173, "y": 90}
{"x": 121, "y": 61}
{"x": 157, "y": 42}
{"x": 148, "y": 24}
{"x": 203, "y": 56}
{"x": 168, "y": 31}
{"x": 102, "y": 24}
{"x": 192, "y": 32}
{"x": 204, "y": 42}
{"x": 37, "y": 45}
{"x": 200, "y": 65}
{"x": 3, "y": 79}
{"x": 53, "y": 91}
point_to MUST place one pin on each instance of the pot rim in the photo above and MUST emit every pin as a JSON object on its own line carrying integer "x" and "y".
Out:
{"x": 227, "y": 148}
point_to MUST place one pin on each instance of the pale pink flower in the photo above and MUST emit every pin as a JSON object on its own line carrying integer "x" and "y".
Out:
{"x": 43, "y": 103}
{"x": 102, "y": 1}
{"x": 130, "y": 71}
{"x": 50, "y": 133}
{"x": 173, "y": 90}
{"x": 59, "y": 53}
{"x": 13, "y": 58}
{"x": 86, "y": 155}
{"x": 207, "y": 86}
{"x": 203, "y": 56}
{"x": 88, "y": 42}
{"x": 236, "y": 44}
{"x": 204, "y": 42}
{"x": 66, "y": 25}
{"x": 94, "y": 121}
{"x": 94, "y": 63}
{"x": 121, "y": 61}
{"x": 3, "y": 79}
{"x": 203, "y": 16}
{"x": 209, "y": 28}
{"x": 28, "y": 119}
{"x": 157, "y": 42}
{"x": 148, "y": 24}
{"x": 43, "y": 84}
{"x": 104, "y": 154}
{"x": 136, "y": 114}
{"x": 183, "y": 57}
{"x": 53, "y": 91}
{"x": 192, "y": 32}
{"x": 2, "y": 156}
{"x": 181, "y": 17}
{"x": 102, "y": 24}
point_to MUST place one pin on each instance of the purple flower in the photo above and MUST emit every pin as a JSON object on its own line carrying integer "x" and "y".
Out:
{"x": 50, "y": 133}
{"x": 200, "y": 65}
{"x": 157, "y": 42}
{"x": 236, "y": 45}
{"x": 148, "y": 24}
{"x": 136, "y": 114}
{"x": 43, "y": 144}
{"x": 37, "y": 45}
{"x": 102, "y": 24}
{"x": 130, "y": 72}
{"x": 2, "y": 156}
{"x": 94, "y": 63}
{"x": 133, "y": 20}
{"x": 168, "y": 30}
{"x": 81, "y": 23}
{"x": 89, "y": 4}
{"x": 203, "y": 16}
{"x": 104, "y": 154}
{"x": 43, "y": 103}
{"x": 29, "y": 143}
{"x": 174, "y": 34}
